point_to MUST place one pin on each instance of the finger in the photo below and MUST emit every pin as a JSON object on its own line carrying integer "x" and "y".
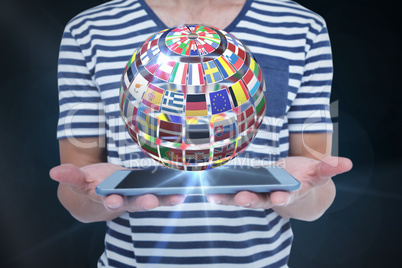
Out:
{"x": 252, "y": 200}
{"x": 332, "y": 166}
{"x": 67, "y": 174}
{"x": 221, "y": 199}
{"x": 113, "y": 203}
{"x": 142, "y": 202}
{"x": 280, "y": 198}
{"x": 171, "y": 200}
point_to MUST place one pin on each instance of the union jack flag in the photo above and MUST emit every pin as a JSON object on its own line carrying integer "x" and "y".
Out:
{"x": 224, "y": 151}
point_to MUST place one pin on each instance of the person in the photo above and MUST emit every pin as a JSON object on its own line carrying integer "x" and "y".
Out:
{"x": 292, "y": 46}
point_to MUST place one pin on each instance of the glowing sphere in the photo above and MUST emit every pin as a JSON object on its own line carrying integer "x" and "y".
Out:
{"x": 192, "y": 97}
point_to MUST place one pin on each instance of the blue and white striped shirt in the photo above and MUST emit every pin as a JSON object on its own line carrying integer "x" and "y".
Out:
{"x": 291, "y": 45}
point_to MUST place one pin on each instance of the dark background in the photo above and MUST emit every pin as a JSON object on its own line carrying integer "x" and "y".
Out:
{"x": 361, "y": 229}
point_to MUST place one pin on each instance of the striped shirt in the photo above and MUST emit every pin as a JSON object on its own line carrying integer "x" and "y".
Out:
{"x": 292, "y": 47}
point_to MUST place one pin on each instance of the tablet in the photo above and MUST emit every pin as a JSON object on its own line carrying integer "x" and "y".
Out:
{"x": 223, "y": 180}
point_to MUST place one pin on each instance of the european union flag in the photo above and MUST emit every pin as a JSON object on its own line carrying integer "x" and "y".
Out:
{"x": 220, "y": 101}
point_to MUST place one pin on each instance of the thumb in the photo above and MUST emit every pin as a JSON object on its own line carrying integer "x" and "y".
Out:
{"x": 332, "y": 166}
{"x": 67, "y": 174}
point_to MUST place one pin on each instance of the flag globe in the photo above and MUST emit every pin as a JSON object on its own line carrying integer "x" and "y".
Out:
{"x": 192, "y": 97}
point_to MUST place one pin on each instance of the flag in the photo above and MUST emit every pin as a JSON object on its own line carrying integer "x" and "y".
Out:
{"x": 179, "y": 73}
{"x": 260, "y": 104}
{"x": 256, "y": 70}
{"x": 155, "y": 62}
{"x": 239, "y": 94}
{"x": 165, "y": 70}
{"x": 251, "y": 81}
{"x": 147, "y": 124}
{"x": 130, "y": 113}
{"x": 196, "y": 168}
{"x": 219, "y": 101}
{"x": 171, "y": 154}
{"x": 132, "y": 59}
{"x": 238, "y": 51}
{"x": 244, "y": 141}
{"x": 212, "y": 74}
{"x": 138, "y": 87}
{"x": 169, "y": 131}
{"x": 197, "y": 134}
{"x": 196, "y": 105}
{"x": 235, "y": 60}
{"x": 245, "y": 119}
{"x": 172, "y": 103}
{"x": 129, "y": 75}
{"x": 224, "y": 129}
{"x": 224, "y": 151}
{"x": 153, "y": 97}
{"x": 149, "y": 54}
{"x": 195, "y": 75}
{"x": 197, "y": 156}
{"x": 132, "y": 134}
{"x": 204, "y": 47}
{"x": 149, "y": 147}
{"x": 224, "y": 67}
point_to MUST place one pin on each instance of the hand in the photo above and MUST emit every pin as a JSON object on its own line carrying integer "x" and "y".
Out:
{"x": 83, "y": 181}
{"x": 311, "y": 173}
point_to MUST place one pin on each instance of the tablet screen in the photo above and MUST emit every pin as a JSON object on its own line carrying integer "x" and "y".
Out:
{"x": 226, "y": 176}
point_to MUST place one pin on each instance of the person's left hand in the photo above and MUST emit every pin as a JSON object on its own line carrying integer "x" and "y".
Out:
{"x": 309, "y": 172}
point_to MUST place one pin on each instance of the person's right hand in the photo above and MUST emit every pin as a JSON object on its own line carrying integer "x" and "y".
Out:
{"x": 83, "y": 181}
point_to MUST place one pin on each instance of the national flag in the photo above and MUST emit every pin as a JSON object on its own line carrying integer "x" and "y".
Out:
{"x": 260, "y": 104}
{"x": 132, "y": 134}
{"x": 197, "y": 168}
{"x": 130, "y": 113}
{"x": 179, "y": 73}
{"x": 150, "y": 148}
{"x": 224, "y": 151}
{"x": 251, "y": 81}
{"x": 235, "y": 60}
{"x": 225, "y": 68}
{"x": 165, "y": 70}
{"x": 201, "y": 49}
{"x": 155, "y": 62}
{"x": 244, "y": 141}
{"x": 219, "y": 101}
{"x": 132, "y": 59}
{"x": 138, "y": 86}
{"x": 153, "y": 97}
{"x": 149, "y": 54}
{"x": 128, "y": 77}
{"x": 211, "y": 71}
{"x": 238, "y": 51}
{"x": 172, "y": 103}
{"x": 224, "y": 129}
{"x": 169, "y": 131}
{"x": 147, "y": 124}
{"x": 171, "y": 154}
{"x": 151, "y": 42}
{"x": 239, "y": 94}
{"x": 193, "y": 48}
{"x": 256, "y": 70}
{"x": 195, "y": 75}
{"x": 197, "y": 156}
{"x": 196, "y": 105}
{"x": 205, "y": 47}
{"x": 197, "y": 134}
{"x": 245, "y": 119}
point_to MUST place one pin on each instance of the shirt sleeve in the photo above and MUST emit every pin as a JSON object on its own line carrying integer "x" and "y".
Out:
{"x": 309, "y": 112}
{"x": 81, "y": 108}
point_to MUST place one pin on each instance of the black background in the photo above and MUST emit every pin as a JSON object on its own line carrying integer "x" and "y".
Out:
{"x": 361, "y": 229}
